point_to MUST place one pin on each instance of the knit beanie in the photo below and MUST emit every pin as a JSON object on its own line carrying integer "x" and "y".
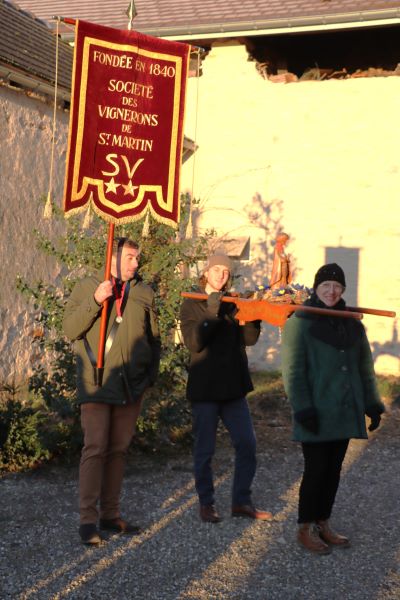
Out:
{"x": 330, "y": 272}
{"x": 219, "y": 259}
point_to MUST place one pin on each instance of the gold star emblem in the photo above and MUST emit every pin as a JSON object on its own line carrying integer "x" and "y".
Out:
{"x": 111, "y": 186}
{"x": 129, "y": 188}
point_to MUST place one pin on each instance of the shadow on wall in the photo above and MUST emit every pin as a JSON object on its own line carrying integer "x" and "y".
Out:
{"x": 349, "y": 260}
{"x": 267, "y": 216}
{"x": 389, "y": 348}
{"x": 265, "y": 219}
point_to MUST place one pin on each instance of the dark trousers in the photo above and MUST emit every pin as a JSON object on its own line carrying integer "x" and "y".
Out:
{"x": 108, "y": 431}
{"x": 321, "y": 476}
{"x": 236, "y": 417}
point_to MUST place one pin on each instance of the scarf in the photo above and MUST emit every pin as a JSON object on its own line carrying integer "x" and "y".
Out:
{"x": 340, "y": 332}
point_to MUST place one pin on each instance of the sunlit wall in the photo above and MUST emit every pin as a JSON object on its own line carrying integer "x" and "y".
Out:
{"x": 319, "y": 159}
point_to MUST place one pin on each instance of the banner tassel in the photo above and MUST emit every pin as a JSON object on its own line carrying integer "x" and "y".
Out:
{"x": 48, "y": 207}
{"x": 146, "y": 226}
{"x": 189, "y": 228}
{"x": 87, "y": 221}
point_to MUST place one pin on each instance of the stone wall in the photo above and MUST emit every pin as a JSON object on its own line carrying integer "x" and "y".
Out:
{"x": 25, "y": 148}
{"x": 323, "y": 157}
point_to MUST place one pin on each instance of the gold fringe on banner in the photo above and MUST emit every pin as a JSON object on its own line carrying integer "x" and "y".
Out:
{"x": 124, "y": 220}
{"x": 48, "y": 207}
{"x": 146, "y": 226}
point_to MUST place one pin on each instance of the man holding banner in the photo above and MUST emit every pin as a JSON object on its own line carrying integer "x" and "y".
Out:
{"x": 123, "y": 162}
{"x": 109, "y": 412}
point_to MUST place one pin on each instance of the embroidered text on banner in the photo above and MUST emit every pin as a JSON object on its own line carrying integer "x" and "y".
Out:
{"x": 126, "y": 124}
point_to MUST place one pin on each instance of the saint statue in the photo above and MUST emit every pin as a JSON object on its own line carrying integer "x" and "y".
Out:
{"x": 281, "y": 275}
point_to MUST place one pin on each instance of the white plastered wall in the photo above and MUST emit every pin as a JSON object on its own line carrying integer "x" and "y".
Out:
{"x": 330, "y": 153}
{"x": 25, "y": 148}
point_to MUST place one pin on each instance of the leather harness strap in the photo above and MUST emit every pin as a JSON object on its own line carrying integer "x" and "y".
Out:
{"x": 109, "y": 341}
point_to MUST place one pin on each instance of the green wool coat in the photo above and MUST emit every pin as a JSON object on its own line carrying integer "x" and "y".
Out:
{"x": 339, "y": 383}
{"x": 131, "y": 365}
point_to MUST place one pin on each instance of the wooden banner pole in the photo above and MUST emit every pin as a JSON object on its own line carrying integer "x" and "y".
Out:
{"x": 64, "y": 20}
{"x": 103, "y": 322}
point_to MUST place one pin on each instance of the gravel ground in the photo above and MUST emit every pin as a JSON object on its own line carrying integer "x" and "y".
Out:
{"x": 178, "y": 557}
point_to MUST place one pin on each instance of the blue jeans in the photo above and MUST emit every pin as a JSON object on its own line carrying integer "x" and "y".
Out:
{"x": 236, "y": 417}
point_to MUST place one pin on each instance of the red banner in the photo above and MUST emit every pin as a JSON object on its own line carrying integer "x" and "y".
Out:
{"x": 126, "y": 124}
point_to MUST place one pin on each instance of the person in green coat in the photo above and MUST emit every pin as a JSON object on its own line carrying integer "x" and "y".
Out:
{"x": 109, "y": 410}
{"x": 329, "y": 378}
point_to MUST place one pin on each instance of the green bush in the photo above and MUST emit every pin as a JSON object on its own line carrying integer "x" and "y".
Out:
{"x": 32, "y": 433}
{"x": 21, "y": 446}
{"x": 165, "y": 421}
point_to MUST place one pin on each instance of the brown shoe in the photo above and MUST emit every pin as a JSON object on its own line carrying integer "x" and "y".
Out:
{"x": 119, "y": 525}
{"x": 89, "y": 534}
{"x": 208, "y": 514}
{"x": 308, "y": 537}
{"x": 247, "y": 510}
{"x": 331, "y": 537}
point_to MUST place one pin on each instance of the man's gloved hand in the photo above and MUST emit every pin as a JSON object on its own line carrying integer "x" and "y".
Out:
{"x": 375, "y": 421}
{"x": 214, "y": 302}
{"x": 308, "y": 418}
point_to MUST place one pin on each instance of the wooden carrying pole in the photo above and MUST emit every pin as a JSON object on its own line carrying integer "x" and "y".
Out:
{"x": 273, "y": 313}
{"x": 276, "y": 313}
{"x": 104, "y": 312}
{"x": 372, "y": 311}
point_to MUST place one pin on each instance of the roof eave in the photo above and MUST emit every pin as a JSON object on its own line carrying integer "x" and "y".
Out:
{"x": 10, "y": 74}
{"x": 315, "y": 23}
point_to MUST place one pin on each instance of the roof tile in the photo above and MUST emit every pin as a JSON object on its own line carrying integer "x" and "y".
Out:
{"x": 29, "y": 45}
{"x": 154, "y": 15}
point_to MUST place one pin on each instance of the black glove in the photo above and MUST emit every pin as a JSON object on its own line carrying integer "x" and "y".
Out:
{"x": 375, "y": 421}
{"x": 308, "y": 418}
{"x": 214, "y": 302}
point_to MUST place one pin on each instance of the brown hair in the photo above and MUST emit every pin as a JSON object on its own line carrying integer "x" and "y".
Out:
{"x": 120, "y": 242}
{"x": 203, "y": 281}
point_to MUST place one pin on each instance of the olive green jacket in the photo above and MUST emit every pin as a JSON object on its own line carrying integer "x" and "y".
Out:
{"x": 131, "y": 364}
{"x": 339, "y": 383}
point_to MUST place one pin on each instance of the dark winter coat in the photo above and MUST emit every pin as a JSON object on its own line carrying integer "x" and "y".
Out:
{"x": 132, "y": 363}
{"x": 218, "y": 370}
{"x": 328, "y": 370}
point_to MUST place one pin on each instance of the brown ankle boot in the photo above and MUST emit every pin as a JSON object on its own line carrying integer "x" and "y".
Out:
{"x": 208, "y": 514}
{"x": 308, "y": 537}
{"x": 331, "y": 537}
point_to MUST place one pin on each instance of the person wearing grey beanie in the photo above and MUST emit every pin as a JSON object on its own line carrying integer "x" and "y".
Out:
{"x": 219, "y": 259}
{"x": 329, "y": 378}
{"x": 218, "y": 381}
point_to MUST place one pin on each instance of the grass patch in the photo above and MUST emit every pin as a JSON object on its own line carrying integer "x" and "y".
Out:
{"x": 270, "y": 383}
{"x": 266, "y": 383}
{"x": 389, "y": 388}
